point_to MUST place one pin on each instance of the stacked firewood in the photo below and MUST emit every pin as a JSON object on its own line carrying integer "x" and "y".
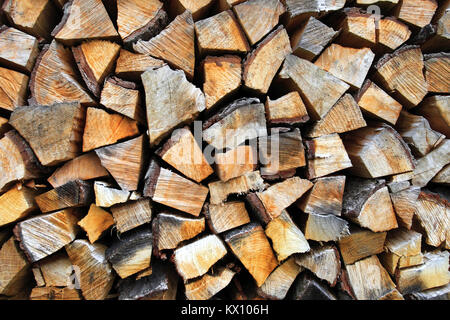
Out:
{"x": 224, "y": 149}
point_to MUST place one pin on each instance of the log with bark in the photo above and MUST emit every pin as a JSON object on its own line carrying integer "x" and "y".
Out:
{"x": 196, "y": 258}
{"x": 170, "y": 230}
{"x": 402, "y": 250}
{"x": 131, "y": 253}
{"x": 42, "y": 235}
{"x": 251, "y": 246}
{"x": 175, "y": 44}
{"x": 287, "y": 239}
{"x": 367, "y": 203}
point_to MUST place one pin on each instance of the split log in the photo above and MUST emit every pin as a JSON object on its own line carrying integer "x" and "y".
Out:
{"x": 312, "y": 82}
{"x": 124, "y": 161}
{"x": 122, "y": 97}
{"x": 280, "y": 280}
{"x": 209, "y": 285}
{"x": 139, "y": 19}
{"x": 360, "y": 244}
{"x": 392, "y": 33}
{"x": 13, "y": 89}
{"x": 325, "y": 228}
{"x": 298, "y": 11}
{"x": 416, "y": 13}
{"x": 56, "y": 69}
{"x": 281, "y": 153}
{"x": 199, "y": 9}
{"x": 15, "y": 271}
{"x": 348, "y": 64}
{"x": 43, "y": 235}
{"x": 435, "y": 110}
{"x": 171, "y": 101}
{"x": 222, "y": 77}
{"x": 401, "y": 73}
{"x": 95, "y": 60}
{"x": 175, "y": 44}
{"x": 377, "y": 151}
{"x": 76, "y": 193}
{"x": 433, "y": 273}
{"x": 344, "y": 116}
{"x": 56, "y": 270}
{"x": 369, "y": 280}
{"x": 160, "y": 285}
{"x": 417, "y": 133}
{"x": 432, "y": 212}
{"x": 172, "y": 190}
{"x": 169, "y": 230}
{"x": 53, "y": 132}
{"x": 404, "y": 203}
{"x": 130, "y": 65}
{"x": 286, "y": 237}
{"x": 107, "y": 196}
{"x": 377, "y": 104}
{"x": 308, "y": 288}
{"x": 443, "y": 177}
{"x": 227, "y": 216}
{"x": 16, "y": 204}
{"x": 358, "y": 28}
{"x": 236, "y": 162}
{"x": 438, "y": 293}
{"x": 270, "y": 203}
{"x": 17, "y": 160}
{"x": 95, "y": 274}
{"x": 325, "y": 197}
{"x": 131, "y": 253}
{"x": 427, "y": 167}
{"x": 84, "y": 167}
{"x": 326, "y": 154}
{"x": 104, "y": 129}
{"x": 242, "y": 120}
{"x": 54, "y": 293}
{"x": 309, "y": 40}
{"x": 195, "y": 259}
{"x": 221, "y": 33}
{"x": 289, "y": 109}
{"x": 33, "y": 17}
{"x": 76, "y": 27}
{"x": 437, "y": 72}
{"x": 96, "y": 222}
{"x": 131, "y": 214}
{"x": 258, "y": 18}
{"x": 323, "y": 261}
{"x": 251, "y": 247}
{"x": 18, "y": 50}
{"x": 257, "y": 73}
{"x": 367, "y": 203}
{"x": 183, "y": 153}
{"x": 401, "y": 245}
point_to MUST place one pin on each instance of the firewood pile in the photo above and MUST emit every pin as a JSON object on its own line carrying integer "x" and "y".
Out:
{"x": 224, "y": 149}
